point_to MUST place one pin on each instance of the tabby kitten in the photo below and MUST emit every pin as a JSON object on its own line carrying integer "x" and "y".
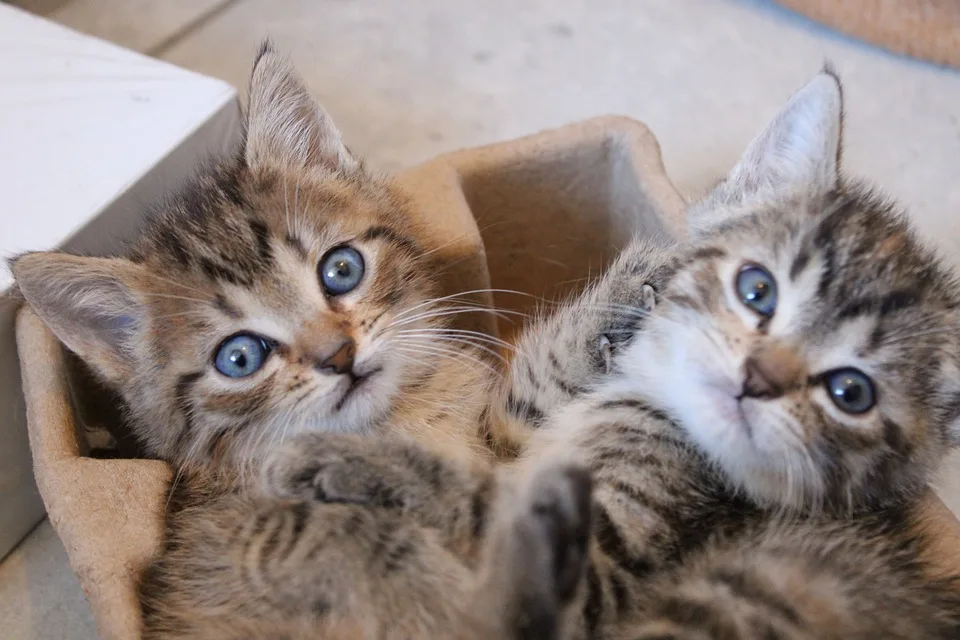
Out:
{"x": 281, "y": 292}
{"x": 285, "y": 292}
{"x": 760, "y": 445}
{"x": 764, "y": 439}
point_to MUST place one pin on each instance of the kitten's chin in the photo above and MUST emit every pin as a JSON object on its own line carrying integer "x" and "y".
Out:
{"x": 714, "y": 420}
{"x": 361, "y": 403}
{"x": 356, "y": 390}
{"x": 755, "y": 459}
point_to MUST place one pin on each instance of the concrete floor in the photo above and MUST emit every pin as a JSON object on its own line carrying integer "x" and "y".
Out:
{"x": 407, "y": 80}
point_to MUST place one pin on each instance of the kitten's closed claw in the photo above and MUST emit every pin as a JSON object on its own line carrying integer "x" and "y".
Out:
{"x": 648, "y": 296}
{"x": 336, "y": 468}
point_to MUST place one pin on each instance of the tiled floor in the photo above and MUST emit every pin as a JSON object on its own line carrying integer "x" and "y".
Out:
{"x": 407, "y": 80}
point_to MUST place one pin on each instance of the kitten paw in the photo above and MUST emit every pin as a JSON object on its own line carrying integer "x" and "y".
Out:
{"x": 542, "y": 554}
{"x": 342, "y": 469}
{"x": 559, "y": 522}
{"x": 360, "y": 481}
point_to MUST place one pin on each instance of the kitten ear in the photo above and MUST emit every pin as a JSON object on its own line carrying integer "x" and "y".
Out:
{"x": 88, "y": 303}
{"x": 798, "y": 153}
{"x": 285, "y": 125}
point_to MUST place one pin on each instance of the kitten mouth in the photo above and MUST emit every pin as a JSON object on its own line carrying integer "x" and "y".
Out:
{"x": 729, "y": 408}
{"x": 747, "y": 427}
{"x": 357, "y": 382}
{"x": 738, "y": 416}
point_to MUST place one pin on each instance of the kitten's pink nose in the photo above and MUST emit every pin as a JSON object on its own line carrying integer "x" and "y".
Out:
{"x": 341, "y": 361}
{"x": 770, "y": 371}
{"x": 759, "y": 381}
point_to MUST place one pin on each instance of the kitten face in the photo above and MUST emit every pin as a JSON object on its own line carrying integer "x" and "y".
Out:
{"x": 258, "y": 342}
{"x": 271, "y": 297}
{"x": 807, "y": 342}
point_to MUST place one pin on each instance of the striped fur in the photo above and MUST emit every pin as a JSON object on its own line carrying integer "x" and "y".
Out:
{"x": 626, "y": 518}
{"x": 723, "y": 514}
{"x": 350, "y": 540}
{"x": 570, "y": 348}
{"x": 238, "y": 250}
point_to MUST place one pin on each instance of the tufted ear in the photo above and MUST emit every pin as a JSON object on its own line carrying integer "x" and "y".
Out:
{"x": 285, "y": 125}
{"x": 89, "y": 303}
{"x": 797, "y": 155}
{"x": 800, "y": 150}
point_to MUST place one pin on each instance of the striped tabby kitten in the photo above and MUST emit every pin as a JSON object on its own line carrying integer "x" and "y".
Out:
{"x": 759, "y": 448}
{"x": 282, "y": 293}
{"x": 762, "y": 443}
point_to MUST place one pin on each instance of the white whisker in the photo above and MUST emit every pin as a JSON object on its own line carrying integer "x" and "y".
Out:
{"x": 445, "y": 311}
{"x": 459, "y": 332}
{"x": 286, "y": 207}
{"x": 296, "y": 204}
{"x": 918, "y": 334}
{"x": 457, "y": 295}
{"x": 419, "y": 349}
{"x": 465, "y": 342}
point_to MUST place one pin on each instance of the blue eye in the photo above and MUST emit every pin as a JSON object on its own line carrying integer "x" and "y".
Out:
{"x": 341, "y": 270}
{"x": 241, "y": 355}
{"x": 851, "y": 390}
{"x": 757, "y": 289}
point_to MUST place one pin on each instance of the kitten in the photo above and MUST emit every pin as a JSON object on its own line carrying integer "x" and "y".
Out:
{"x": 280, "y": 292}
{"x": 764, "y": 436}
{"x": 285, "y": 292}
{"x": 763, "y": 440}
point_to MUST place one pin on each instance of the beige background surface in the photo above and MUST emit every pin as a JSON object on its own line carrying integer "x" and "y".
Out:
{"x": 407, "y": 80}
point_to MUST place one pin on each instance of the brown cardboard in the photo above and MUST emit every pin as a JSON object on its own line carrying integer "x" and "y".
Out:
{"x": 925, "y": 29}
{"x": 552, "y": 208}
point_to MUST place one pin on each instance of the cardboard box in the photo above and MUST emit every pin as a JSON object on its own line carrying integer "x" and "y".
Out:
{"x": 89, "y": 133}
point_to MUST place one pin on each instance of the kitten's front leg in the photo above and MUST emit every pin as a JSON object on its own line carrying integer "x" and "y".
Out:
{"x": 563, "y": 355}
{"x": 525, "y": 533}
{"x": 534, "y": 561}
{"x": 237, "y": 568}
{"x": 390, "y": 474}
